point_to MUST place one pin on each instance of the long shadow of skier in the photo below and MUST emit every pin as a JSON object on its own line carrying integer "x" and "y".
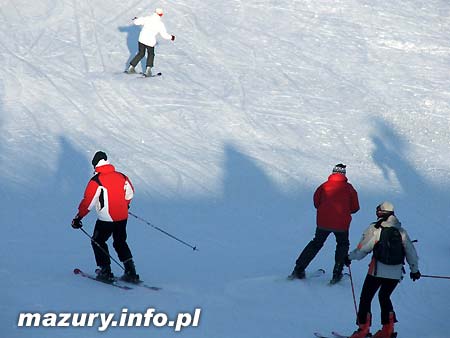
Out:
{"x": 415, "y": 196}
{"x": 249, "y": 208}
{"x": 246, "y": 229}
{"x": 132, "y": 32}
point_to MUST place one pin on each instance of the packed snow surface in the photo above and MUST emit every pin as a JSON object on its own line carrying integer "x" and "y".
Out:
{"x": 257, "y": 102}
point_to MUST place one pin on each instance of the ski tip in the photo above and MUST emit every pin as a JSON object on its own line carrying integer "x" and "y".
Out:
{"x": 319, "y": 335}
{"x": 338, "y": 335}
{"x": 76, "y": 271}
{"x": 156, "y": 288}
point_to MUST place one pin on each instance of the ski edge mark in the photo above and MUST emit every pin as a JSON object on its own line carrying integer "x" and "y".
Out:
{"x": 338, "y": 335}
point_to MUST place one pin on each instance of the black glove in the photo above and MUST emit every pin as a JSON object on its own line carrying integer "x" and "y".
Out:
{"x": 134, "y": 18}
{"x": 415, "y": 275}
{"x": 347, "y": 261}
{"x": 173, "y": 38}
{"x": 76, "y": 222}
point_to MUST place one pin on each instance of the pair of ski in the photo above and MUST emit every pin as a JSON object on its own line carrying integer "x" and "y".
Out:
{"x": 118, "y": 283}
{"x": 317, "y": 273}
{"x": 144, "y": 76}
{"x": 334, "y": 334}
{"x": 314, "y": 274}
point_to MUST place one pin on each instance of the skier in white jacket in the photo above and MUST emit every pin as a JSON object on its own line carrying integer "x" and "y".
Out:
{"x": 383, "y": 277}
{"x": 152, "y": 26}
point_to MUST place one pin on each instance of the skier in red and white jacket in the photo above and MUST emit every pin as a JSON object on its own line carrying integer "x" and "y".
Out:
{"x": 110, "y": 193}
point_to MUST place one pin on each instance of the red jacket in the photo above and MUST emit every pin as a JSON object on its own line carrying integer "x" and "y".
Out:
{"x": 110, "y": 192}
{"x": 335, "y": 201}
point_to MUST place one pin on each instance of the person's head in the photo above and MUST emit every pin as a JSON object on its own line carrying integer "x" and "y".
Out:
{"x": 385, "y": 209}
{"x": 339, "y": 169}
{"x": 99, "y": 158}
{"x": 159, "y": 11}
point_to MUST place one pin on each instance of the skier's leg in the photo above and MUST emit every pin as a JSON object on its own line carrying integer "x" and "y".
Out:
{"x": 150, "y": 56}
{"x": 364, "y": 316}
{"x": 120, "y": 240}
{"x": 370, "y": 287}
{"x": 150, "y": 59}
{"x": 311, "y": 250}
{"x": 123, "y": 251}
{"x": 139, "y": 55}
{"x": 388, "y": 318}
{"x": 102, "y": 232}
{"x": 342, "y": 246}
{"x": 384, "y": 296}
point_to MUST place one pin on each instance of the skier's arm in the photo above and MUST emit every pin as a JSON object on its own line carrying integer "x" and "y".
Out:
{"x": 354, "y": 202}
{"x": 365, "y": 245}
{"x": 90, "y": 198}
{"x": 139, "y": 21}
{"x": 163, "y": 32}
{"x": 317, "y": 196}
{"x": 129, "y": 190}
{"x": 410, "y": 253}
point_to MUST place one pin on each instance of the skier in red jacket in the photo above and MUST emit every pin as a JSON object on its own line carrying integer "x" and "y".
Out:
{"x": 335, "y": 200}
{"x": 110, "y": 192}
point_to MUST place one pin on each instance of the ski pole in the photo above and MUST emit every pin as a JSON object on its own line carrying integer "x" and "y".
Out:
{"x": 353, "y": 289}
{"x": 163, "y": 231}
{"x": 431, "y": 276}
{"x": 103, "y": 250}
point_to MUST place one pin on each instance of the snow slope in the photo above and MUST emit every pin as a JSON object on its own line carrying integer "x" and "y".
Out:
{"x": 258, "y": 100}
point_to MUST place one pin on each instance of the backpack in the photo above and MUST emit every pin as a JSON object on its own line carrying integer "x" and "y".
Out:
{"x": 389, "y": 249}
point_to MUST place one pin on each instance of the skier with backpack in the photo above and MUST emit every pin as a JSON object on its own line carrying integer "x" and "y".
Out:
{"x": 390, "y": 245}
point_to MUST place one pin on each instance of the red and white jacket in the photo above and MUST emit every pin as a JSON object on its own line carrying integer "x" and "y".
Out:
{"x": 110, "y": 192}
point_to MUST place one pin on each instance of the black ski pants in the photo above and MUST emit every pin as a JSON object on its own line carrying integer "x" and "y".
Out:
{"x": 141, "y": 54}
{"x": 314, "y": 246}
{"x": 370, "y": 287}
{"x": 102, "y": 231}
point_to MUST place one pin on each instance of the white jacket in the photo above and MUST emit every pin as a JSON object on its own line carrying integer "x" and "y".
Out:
{"x": 152, "y": 26}
{"x": 371, "y": 236}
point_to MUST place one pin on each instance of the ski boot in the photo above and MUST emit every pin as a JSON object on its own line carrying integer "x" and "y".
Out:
{"x": 130, "y": 272}
{"x": 337, "y": 273}
{"x": 336, "y": 278}
{"x": 148, "y": 72}
{"x": 387, "y": 331}
{"x": 297, "y": 274}
{"x": 131, "y": 70}
{"x": 363, "y": 329}
{"x": 104, "y": 274}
